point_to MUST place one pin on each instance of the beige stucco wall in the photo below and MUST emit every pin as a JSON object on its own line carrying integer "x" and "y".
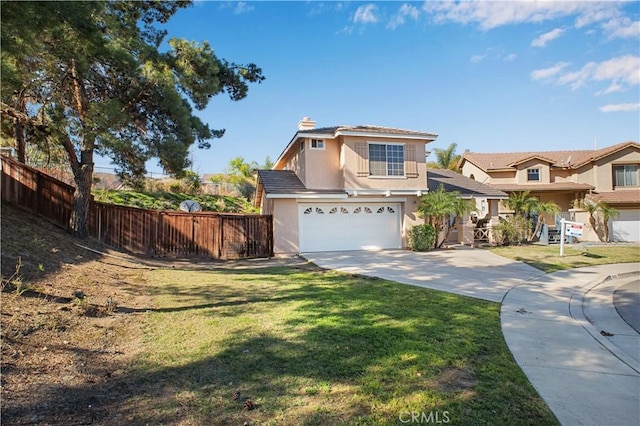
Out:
{"x": 322, "y": 166}
{"x": 285, "y": 226}
{"x": 470, "y": 169}
{"x": 295, "y": 160}
{"x": 600, "y": 174}
{"x": 521, "y": 172}
{"x": 350, "y": 166}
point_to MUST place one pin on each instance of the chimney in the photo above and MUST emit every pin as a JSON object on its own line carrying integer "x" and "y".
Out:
{"x": 306, "y": 124}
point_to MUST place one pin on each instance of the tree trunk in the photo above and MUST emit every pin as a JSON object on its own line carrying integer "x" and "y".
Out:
{"x": 594, "y": 226}
{"x": 20, "y": 144}
{"x": 605, "y": 226}
{"x": 82, "y": 200}
{"x": 82, "y": 167}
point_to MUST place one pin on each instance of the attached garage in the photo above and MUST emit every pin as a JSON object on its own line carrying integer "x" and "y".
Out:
{"x": 349, "y": 226}
{"x": 626, "y": 226}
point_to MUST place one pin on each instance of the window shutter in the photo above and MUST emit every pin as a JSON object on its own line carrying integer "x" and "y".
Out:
{"x": 362, "y": 150}
{"x": 410, "y": 164}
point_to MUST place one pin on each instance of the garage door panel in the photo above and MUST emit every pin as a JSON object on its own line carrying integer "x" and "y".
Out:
{"x": 626, "y": 226}
{"x": 349, "y": 226}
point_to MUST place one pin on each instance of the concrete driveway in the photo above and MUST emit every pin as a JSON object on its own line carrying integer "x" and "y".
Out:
{"x": 463, "y": 270}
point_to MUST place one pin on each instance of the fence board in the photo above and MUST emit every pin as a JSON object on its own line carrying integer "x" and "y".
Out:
{"x": 149, "y": 232}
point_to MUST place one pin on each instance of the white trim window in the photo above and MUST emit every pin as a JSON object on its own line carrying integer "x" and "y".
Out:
{"x": 625, "y": 175}
{"x": 317, "y": 144}
{"x": 533, "y": 175}
{"x": 386, "y": 159}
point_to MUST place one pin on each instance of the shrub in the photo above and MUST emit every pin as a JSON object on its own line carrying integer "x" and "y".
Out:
{"x": 512, "y": 230}
{"x": 422, "y": 237}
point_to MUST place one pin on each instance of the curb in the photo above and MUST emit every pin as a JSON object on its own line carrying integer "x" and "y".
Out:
{"x": 576, "y": 310}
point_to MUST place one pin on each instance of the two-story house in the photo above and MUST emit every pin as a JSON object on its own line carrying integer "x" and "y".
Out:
{"x": 608, "y": 174}
{"x": 356, "y": 187}
{"x": 345, "y": 188}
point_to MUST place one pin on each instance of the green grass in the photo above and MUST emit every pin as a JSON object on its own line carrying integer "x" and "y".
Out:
{"x": 547, "y": 258}
{"x": 312, "y": 347}
{"x": 171, "y": 201}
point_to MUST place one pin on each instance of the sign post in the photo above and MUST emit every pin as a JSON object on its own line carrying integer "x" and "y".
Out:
{"x": 569, "y": 229}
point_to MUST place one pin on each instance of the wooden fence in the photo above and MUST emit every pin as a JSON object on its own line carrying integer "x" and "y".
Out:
{"x": 149, "y": 232}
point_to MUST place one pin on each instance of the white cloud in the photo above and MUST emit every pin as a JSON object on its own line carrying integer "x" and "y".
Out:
{"x": 242, "y": 7}
{"x": 545, "y": 73}
{"x": 366, "y": 14}
{"x": 493, "y": 14}
{"x": 614, "y": 87}
{"x": 620, "y": 107}
{"x": 619, "y": 71}
{"x": 400, "y": 17}
{"x": 510, "y": 57}
{"x": 545, "y": 38}
{"x": 622, "y": 28}
{"x": 477, "y": 58}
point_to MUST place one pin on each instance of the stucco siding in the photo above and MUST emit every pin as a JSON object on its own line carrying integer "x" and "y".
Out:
{"x": 322, "y": 166}
{"x": 604, "y": 179}
{"x": 522, "y": 173}
{"x": 285, "y": 226}
{"x": 353, "y": 161}
{"x": 472, "y": 171}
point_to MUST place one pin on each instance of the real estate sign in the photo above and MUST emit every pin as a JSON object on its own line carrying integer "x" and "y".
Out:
{"x": 569, "y": 229}
{"x": 573, "y": 229}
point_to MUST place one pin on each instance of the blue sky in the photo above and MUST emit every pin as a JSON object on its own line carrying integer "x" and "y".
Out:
{"x": 489, "y": 76}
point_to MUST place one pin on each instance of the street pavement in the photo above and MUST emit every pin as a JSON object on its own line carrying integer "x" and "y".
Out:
{"x": 572, "y": 332}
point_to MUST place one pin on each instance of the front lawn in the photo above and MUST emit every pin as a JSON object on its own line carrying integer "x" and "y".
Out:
{"x": 547, "y": 258}
{"x": 308, "y": 346}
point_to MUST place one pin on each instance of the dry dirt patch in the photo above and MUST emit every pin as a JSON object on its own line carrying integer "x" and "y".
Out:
{"x": 65, "y": 334}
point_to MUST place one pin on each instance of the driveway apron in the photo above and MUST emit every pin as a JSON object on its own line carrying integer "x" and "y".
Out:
{"x": 465, "y": 271}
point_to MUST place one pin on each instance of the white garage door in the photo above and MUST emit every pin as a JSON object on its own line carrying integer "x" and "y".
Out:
{"x": 349, "y": 226}
{"x": 626, "y": 227}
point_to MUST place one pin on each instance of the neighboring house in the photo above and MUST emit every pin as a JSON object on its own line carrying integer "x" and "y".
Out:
{"x": 345, "y": 188}
{"x": 568, "y": 178}
{"x": 476, "y": 226}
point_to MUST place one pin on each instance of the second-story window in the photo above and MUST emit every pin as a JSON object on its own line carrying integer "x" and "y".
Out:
{"x": 386, "y": 160}
{"x": 317, "y": 144}
{"x": 625, "y": 175}
{"x": 533, "y": 175}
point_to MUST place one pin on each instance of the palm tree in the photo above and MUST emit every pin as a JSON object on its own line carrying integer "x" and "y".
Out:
{"x": 599, "y": 210}
{"x": 521, "y": 202}
{"x": 439, "y": 208}
{"x": 447, "y": 158}
{"x": 541, "y": 208}
{"x": 607, "y": 212}
{"x": 592, "y": 208}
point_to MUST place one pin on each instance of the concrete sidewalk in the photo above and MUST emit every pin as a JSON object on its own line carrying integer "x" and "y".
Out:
{"x": 566, "y": 335}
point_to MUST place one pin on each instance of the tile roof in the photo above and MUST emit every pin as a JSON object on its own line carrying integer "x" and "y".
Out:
{"x": 570, "y": 159}
{"x": 367, "y": 129}
{"x": 619, "y": 197}
{"x": 287, "y": 182}
{"x": 545, "y": 187}
{"x": 454, "y": 181}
